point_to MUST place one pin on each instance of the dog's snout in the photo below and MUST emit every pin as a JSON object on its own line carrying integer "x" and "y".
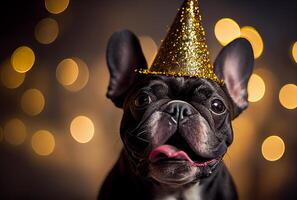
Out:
{"x": 179, "y": 109}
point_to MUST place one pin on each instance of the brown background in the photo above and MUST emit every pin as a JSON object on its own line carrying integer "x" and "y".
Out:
{"x": 75, "y": 171}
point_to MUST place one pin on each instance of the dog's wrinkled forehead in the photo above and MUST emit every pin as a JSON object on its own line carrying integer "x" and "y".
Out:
{"x": 180, "y": 88}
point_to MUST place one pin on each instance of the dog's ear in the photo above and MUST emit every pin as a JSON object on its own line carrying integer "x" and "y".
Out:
{"x": 234, "y": 65}
{"x": 124, "y": 55}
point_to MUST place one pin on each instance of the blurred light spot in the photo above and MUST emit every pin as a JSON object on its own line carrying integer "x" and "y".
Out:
{"x": 256, "y": 88}
{"x": 273, "y": 148}
{"x": 294, "y": 51}
{"x": 82, "y": 129}
{"x": 83, "y": 76}
{"x": 226, "y": 30}
{"x": 149, "y": 48}
{"x": 252, "y": 35}
{"x": 9, "y": 77}
{"x": 1, "y": 134}
{"x": 288, "y": 96}
{"x": 32, "y": 102}
{"x": 22, "y": 59}
{"x": 67, "y": 72}
{"x": 46, "y": 31}
{"x": 15, "y": 132}
{"x": 43, "y": 143}
{"x": 56, "y": 6}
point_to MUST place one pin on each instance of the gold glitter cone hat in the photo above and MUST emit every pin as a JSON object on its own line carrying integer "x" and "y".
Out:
{"x": 184, "y": 50}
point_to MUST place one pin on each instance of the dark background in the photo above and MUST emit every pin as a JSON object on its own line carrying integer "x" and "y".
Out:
{"x": 76, "y": 171}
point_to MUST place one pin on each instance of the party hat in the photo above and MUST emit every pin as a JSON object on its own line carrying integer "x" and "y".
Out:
{"x": 184, "y": 50}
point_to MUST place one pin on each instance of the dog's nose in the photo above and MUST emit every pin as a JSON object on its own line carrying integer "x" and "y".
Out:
{"x": 179, "y": 109}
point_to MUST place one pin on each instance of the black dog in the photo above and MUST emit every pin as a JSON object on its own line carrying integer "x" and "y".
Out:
{"x": 175, "y": 130}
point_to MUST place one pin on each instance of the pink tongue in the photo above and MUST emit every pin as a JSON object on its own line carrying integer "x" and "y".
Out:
{"x": 168, "y": 151}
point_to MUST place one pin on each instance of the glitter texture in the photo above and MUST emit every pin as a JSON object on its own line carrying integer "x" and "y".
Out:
{"x": 184, "y": 50}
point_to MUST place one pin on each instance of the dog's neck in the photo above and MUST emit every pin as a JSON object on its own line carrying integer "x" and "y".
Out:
{"x": 192, "y": 192}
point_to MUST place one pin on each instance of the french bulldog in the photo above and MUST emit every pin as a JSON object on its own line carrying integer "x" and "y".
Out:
{"x": 175, "y": 130}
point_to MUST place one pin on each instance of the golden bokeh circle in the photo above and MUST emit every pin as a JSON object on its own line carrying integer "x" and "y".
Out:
{"x": 56, "y": 6}
{"x": 273, "y": 148}
{"x": 67, "y": 72}
{"x": 253, "y": 36}
{"x": 32, "y": 102}
{"x": 82, "y": 129}
{"x": 15, "y": 132}
{"x": 294, "y": 51}
{"x": 22, "y": 59}
{"x": 83, "y": 76}
{"x": 43, "y": 143}
{"x": 149, "y": 48}
{"x": 9, "y": 77}
{"x": 256, "y": 88}
{"x": 46, "y": 31}
{"x": 288, "y": 96}
{"x": 226, "y": 30}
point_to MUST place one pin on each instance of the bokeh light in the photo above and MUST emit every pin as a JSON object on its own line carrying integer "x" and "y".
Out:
{"x": 15, "y": 132}
{"x": 23, "y": 59}
{"x": 294, "y": 51}
{"x": 288, "y": 96}
{"x": 43, "y": 143}
{"x": 56, "y": 6}
{"x": 149, "y": 48}
{"x": 253, "y": 36}
{"x": 67, "y": 72}
{"x": 226, "y": 30}
{"x": 83, "y": 76}
{"x": 32, "y": 102}
{"x": 9, "y": 77}
{"x": 82, "y": 129}
{"x": 273, "y": 148}
{"x": 46, "y": 31}
{"x": 256, "y": 88}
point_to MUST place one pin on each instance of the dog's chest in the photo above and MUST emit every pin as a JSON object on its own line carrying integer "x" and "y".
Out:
{"x": 192, "y": 193}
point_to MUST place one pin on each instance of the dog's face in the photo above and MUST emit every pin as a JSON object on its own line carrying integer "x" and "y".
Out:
{"x": 176, "y": 130}
{"x": 179, "y": 127}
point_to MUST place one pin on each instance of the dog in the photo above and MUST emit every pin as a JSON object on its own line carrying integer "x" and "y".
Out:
{"x": 175, "y": 130}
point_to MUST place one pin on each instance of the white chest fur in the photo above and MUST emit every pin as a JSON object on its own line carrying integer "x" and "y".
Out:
{"x": 192, "y": 193}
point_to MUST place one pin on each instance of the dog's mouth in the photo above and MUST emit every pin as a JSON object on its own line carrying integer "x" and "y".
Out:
{"x": 176, "y": 150}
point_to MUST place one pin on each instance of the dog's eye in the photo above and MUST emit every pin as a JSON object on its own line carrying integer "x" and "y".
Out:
{"x": 217, "y": 106}
{"x": 142, "y": 100}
